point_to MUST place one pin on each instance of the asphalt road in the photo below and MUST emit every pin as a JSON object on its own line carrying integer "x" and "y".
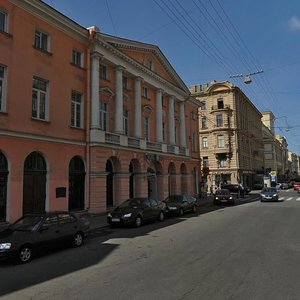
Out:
{"x": 247, "y": 251}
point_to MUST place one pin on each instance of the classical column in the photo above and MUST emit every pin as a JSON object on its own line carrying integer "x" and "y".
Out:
{"x": 138, "y": 107}
{"x": 95, "y": 105}
{"x": 182, "y": 125}
{"x": 159, "y": 116}
{"x": 171, "y": 121}
{"x": 119, "y": 100}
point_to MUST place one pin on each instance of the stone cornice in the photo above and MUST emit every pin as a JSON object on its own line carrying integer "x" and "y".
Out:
{"x": 109, "y": 46}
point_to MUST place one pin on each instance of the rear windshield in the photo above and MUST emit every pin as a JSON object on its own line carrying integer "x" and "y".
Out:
{"x": 27, "y": 223}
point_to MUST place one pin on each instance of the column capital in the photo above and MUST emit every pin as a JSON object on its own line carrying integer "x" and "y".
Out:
{"x": 139, "y": 78}
{"x": 120, "y": 68}
{"x": 96, "y": 54}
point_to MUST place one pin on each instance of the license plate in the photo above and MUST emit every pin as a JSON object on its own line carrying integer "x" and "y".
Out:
{"x": 115, "y": 219}
{"x": 223, "y": 200}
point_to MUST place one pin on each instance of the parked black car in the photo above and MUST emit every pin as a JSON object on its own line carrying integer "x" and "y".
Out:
{"x": 136, "y": 211}
{"x": 179, "y": 204}
{"x": 223, "y": 196}
{"x": 33, "y": 233}
{"x": 236, "y": 190}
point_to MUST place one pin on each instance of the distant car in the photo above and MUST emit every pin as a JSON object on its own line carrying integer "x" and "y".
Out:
{"x": 179, "y": 204}
{"x": 269, "y": 194}
{"x": 136, "y": 211}
{"x": 33, "y": 233}
{"x": 296, "y": 186}
{"x": 223, "y": 196}
{"x": 282, "y": 186}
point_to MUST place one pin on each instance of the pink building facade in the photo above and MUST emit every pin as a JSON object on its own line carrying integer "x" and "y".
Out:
{"x": 86, "y": 119}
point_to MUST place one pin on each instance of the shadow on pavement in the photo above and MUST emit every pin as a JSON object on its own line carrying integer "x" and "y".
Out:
{"x": 53, "y": 264}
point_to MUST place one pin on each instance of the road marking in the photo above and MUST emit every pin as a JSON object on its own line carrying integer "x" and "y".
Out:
{"x": 289, "y": 199}
{"x": 298, "y": 199}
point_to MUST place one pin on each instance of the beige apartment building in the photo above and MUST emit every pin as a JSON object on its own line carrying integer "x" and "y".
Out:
{"x": 276, "y": 149}
{"x": 230, "y": 135}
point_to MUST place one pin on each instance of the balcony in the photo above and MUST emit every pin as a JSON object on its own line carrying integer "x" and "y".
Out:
{"x": 220, "y": 107}
{"x": 98, "y": 136}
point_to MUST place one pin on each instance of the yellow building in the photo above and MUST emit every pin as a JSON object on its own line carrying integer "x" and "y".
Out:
{"x": 231, "y": 144}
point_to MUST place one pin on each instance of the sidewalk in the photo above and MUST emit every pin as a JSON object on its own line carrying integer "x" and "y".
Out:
{"x": 98, "y": 221}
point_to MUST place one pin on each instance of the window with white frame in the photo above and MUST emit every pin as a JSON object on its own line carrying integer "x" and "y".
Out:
{"x": 3, "y": 80}
{"x": 77, "y": 58}
{"x": 103, "y": 72}
{"x": 146, "y": 128}
{"x": 219, "y": 120}
{"x": 220, "y": 141}
{"x": 40, "y": 99}
{"x": 76, "y": 109}
{"x": 145, "y": 92}
{"x": 223, "y": 162}
{"x": 103, "y": 115}
{"x": 204, "y": 122}
{"x": 126, "y": 121}
{"x": 3, "y": 21}
{"x": 42, "y": 40}
{"x": 204, "y": 142}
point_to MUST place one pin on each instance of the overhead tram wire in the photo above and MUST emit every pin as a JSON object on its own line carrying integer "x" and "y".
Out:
{"x": 186, "y": 30}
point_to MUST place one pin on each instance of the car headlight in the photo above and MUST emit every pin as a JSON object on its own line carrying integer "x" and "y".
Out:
{"x": 262, "y": 195}
{"x": 230, "y": 198}
{"x": 109, "y": 215}
{"x": 5, "y": 246}
{"x": 274, "y": 195}
{"x": 127, "y": 215}
{"x": 217, "y": 198}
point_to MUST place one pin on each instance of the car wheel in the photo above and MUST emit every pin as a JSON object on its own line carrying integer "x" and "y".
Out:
{"x": 194, "y": 209}
{"x": 138, "y": 221}
{"x": 78, "y": 239}
{"x": 161, "y": 216}
{"x": 181, "y": 212}
{"x": 24, "y": 254}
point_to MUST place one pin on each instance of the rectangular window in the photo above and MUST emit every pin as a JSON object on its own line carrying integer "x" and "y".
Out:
{"x": 103, "y": 116}
{"x": 2, "y": 88}
{"x": 145, "y": 92}
{"x": 223, "y": 163}
{"x": 204, "y": 122}
{"x": 3, "y": 21}
{"x": 125, "y": 83}
{"x": 103, "y": 72}
{"x": 76, "y": 109}
{"x": 219, "y": 120}
{"x": 164, "y": 132}
{"x": 203, "y": 105}
{"x": 205, "y": 161}
{"x": 220, "y": 103}
{"x": 77, "y": 58}
{"x": 41, "y": 41}
{"x": 221, "y": 143}
{"x": 205, "y": 142}
{"x": 146, "y": 128}
{"x": 194, "y": 142}
{"x": 39, "y": 99}
{"x": 126, "y": 122}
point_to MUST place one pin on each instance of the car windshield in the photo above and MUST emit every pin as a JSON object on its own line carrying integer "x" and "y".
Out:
{"x": 269, "y": 190}
{"x": 27, "y": 223}
{"x": 222, "y": 192}
{"x": 174, "y": 199}
{"x": 130, "y": 203}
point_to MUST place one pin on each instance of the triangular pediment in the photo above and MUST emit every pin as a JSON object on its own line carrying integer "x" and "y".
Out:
{"x": 148, "y": 56}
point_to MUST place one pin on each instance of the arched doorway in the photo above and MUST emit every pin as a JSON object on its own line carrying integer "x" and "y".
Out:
{"x": 172, "y": 179}
{"x": 3, "y": 186}
{"x": 34, "y": 184}
{"x": 76, "y": 184}
{"x": 109, "y": 184}
{"x": 184, "y": 179}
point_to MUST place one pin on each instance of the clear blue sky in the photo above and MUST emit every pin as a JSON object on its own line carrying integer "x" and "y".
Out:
{"x": 213, "y": 39}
